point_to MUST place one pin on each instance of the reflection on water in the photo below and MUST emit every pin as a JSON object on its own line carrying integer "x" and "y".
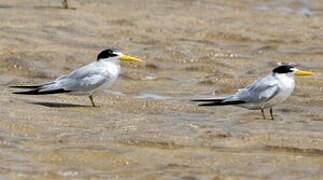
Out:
{"x": 298, "y": 7}
{"x": 144, "y": 95}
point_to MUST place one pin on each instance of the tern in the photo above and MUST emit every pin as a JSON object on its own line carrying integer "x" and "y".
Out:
{"x": 265, "y": 93}
{"x": 85, "y": 80}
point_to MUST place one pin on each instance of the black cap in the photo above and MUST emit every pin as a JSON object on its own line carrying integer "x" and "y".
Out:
{"x": 107, "y": 53}
{"x": 283, "y": 69}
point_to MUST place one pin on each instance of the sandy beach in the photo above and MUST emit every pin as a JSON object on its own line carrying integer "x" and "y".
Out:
{"x": 146, "y": 127}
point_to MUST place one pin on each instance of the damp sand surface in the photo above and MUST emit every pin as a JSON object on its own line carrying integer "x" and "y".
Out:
{"x": 145, "y": 127}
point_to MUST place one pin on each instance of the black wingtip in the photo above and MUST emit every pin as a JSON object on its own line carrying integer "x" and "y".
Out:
{"x": 207, "y": 100}
{"x": 222, "y": 103}
{"x": 207, "y": 104}
{"x": 37, "y": 92}
{"x": 25, "y": 87}
{"x": 34, "y": 92}
{"x": 30, "y": 86}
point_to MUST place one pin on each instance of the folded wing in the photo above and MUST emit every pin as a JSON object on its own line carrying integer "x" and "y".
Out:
{"x": 258, "y": 92}
{"x": 85, "y": 79}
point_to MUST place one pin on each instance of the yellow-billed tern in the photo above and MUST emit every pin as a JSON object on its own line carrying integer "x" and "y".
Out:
{"x": 265, "y": 93}
{"x": 85, "y": 80}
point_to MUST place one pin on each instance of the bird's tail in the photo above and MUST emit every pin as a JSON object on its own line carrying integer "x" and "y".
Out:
{"x": 32, "y": 86}
{"x": 26, "y": 87}
{"x": 39, "y": 89}
{"x": 217, "y": 102}
{"x": 39, "y": 92}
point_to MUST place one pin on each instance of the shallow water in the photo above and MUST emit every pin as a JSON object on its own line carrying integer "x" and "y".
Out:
{"x": 146, "y": 128}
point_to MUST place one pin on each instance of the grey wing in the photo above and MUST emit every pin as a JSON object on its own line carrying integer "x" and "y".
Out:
{"x": 87, "y": 82}
{"x": 86, "y": 78}
{"x": 260, "y": 91}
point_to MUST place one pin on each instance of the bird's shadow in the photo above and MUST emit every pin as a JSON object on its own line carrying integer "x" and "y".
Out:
{"x": 58, "y": 105}
{"x": 53, "y": 7}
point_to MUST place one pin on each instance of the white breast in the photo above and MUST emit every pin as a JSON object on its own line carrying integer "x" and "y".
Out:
{"x": 286, "y": 87}
{"x": 112, "y": 70}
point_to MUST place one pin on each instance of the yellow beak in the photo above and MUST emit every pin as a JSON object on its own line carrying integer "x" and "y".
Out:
{"x": 304, "y": 73}
{"x": 130, "y": 58}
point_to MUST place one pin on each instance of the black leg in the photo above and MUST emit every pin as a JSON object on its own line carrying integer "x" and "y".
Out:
{"x": 92, "y": 101}
{"x": 271, "y": 113}
{"x": 263, "y": 113}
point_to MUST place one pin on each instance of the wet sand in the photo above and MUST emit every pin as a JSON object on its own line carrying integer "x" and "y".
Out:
{"x": 146, "y": 128}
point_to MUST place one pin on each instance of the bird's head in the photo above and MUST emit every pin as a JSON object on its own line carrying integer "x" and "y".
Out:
{"x": 116, "y": 56}
{"x": 291, "y": 71}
